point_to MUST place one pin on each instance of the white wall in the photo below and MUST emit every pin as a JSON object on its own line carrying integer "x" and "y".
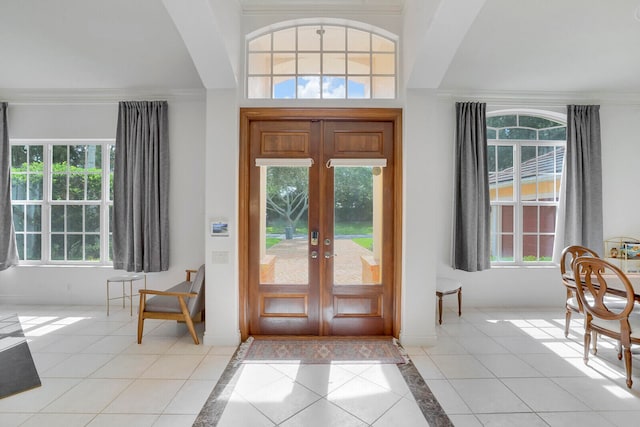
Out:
{"x": 69, "y": 118}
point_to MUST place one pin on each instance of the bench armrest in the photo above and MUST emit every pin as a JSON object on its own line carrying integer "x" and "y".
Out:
{"x": 189, "y": 273}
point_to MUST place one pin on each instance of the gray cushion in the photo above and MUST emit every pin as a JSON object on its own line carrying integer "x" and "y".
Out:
{"x": 165, "y": 303}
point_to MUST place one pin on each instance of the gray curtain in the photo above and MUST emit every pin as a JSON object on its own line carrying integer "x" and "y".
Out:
{"x": 141, "y": 188}
{"x": 471, "y": 232}
{"x": 8, "y": 247}
{"x": 583, "y": 203}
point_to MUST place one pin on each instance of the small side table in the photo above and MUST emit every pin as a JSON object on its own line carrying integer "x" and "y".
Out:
{"x": 444, "y": 287}
{"x": 124, "y": 279}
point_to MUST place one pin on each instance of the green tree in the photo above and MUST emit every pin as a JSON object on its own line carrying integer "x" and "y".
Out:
{"x": 287, "y": 193}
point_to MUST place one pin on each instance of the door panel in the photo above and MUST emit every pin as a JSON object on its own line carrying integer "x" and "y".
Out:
{"x": 320, "y": 238}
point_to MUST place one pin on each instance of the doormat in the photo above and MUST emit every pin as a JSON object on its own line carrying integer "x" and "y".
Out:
{"x": 17, "y": 371}
{"x": 323, "y": 350}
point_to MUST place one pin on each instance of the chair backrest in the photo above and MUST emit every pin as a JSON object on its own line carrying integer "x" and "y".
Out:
{"x": 196, "y": 304}
{"x": 596, "y": 282}
{"x": 569, "y": 255}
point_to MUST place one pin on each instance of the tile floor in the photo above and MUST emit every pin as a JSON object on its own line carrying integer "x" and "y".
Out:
{"x": 489, "y": 367}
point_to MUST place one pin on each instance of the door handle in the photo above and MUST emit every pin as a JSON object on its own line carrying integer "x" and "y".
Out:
{"x": 328, "y": 255}
{"x": 314, "y": 254}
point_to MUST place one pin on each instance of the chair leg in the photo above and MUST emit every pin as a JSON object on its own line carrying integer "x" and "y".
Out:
{"x": 459, "y": 302}
{"x": 594, "y": 339}
{"x": 627, "y": 364}
{"x": 587, "y": 342}
{"x": 619, "y": 347}
{"x": 141, "y": 319}
{"x": 567, "y": 322}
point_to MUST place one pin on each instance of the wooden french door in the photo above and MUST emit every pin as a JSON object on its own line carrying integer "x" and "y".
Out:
{"x": 319, "y": 217}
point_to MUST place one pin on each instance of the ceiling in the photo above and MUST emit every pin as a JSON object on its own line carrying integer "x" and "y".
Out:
{"x": 585, "y": 46}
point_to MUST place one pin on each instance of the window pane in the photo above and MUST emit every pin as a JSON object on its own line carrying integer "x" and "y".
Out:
{"x": 74, "y": 247}
{"x": 76, "y": 186}
{"x": 60, "y": 157}
{"x": 309, "y": 63}
{"x": 259, "y": 63}
{"x": 59, "y": 187}
{"x": 19, "y": 186}
{"x": 547, "y": 219}
{"x": 359, "y": 87}
{"x": 285, "y": 40}
{"x": 380, "y": 44}
{"x": 259, "y": 87}
{"x": 20, "y": 244}
{"x": 357, "y": 192}
{"x": 308, "y": 87}
{"x": 384, "y": 87}
{"x": 92, "y": 219}
{"x": 308, "y": 38}
{"x": 34, "y": 247}
{"x": 284, "y": 63}
{"x": 35, "y": 186}
{"x": 18, "y": 217}
{"x": 529, "y": 248}
{"x": 530, "y": 219}
{"x": 537, "y": 122}
{"x": 284, "y": 240}
{"x": 333, "y": 38}
{"x": 358, "y": 40}
{"x": 261, "y": 43}
{"x": 558, "y": 134}
{"x": 112, "y": 163}
{"x": 517, "y": 133}
{"x": 34, "y": 214}
{"x": 284, "y": 87}
{"x": 74, "y": 218}
{"x": 36, "y": 157}
{"x": 92, "y": 248}
{"x": 502, "y": 121}
{"x": 57, "y": 218}
{"x": 491, "y": 134}
{"x": 333, "y": 87}
{"x": 358, "y": 63}
{"x": 546, "y": 248}
{"x": 57, "y": 247}
{"x": 507, "y": 219}
{"x": 77, "y": 156}
{"x": 383, "y": 63}
{"x": 505, "y": 175}
{"x": 333, "y": 63}
{"x": 94, "y": 186}
{"x": 529, "y": 173}
{"x": 19, "y": 157}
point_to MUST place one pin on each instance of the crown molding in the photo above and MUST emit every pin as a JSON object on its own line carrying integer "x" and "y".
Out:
{"x": 97, "y": 96}
{"x": 542, "y": 98}
{"x": 264, "y": 7}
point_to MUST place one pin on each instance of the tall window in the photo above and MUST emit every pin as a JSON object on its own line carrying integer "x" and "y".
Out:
{"x": 525, "y": 156}
{"x": 321, "y": 61}
{"x": 62, "y": 197}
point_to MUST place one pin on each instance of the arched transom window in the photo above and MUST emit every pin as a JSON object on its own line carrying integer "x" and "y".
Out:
{"x": 321, "y": 62}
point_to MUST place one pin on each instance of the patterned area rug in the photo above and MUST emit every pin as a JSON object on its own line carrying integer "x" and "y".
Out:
{"x": 310, "y": 350}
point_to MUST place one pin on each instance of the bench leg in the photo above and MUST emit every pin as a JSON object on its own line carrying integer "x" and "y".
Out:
{"x": 459, "y": 302}
{"x": 440, "y": 309}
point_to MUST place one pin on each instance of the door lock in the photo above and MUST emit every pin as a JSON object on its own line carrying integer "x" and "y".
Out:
{"x": 314, "y": 238}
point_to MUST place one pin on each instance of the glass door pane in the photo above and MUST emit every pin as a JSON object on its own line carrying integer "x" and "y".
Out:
{"x": 357, "y": 225}
{"x": 284, "y": 243}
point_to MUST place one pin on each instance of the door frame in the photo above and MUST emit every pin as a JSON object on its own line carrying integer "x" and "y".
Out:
{"x": 247, "y": 115}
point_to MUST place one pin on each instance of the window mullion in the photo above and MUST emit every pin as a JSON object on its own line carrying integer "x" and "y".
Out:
{"x": 517, "y": 226}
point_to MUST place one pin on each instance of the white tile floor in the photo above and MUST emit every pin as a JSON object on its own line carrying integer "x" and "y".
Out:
{"x": 490, "y": 367}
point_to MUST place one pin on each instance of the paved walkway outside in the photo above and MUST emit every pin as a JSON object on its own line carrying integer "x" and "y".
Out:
{"x": 292, "y": 261}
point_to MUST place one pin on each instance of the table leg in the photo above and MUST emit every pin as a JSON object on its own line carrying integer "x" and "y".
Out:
{"x": 107, "y": 297}
{"x": 131, "y": 296}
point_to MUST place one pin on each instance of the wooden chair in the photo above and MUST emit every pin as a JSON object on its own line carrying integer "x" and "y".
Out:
{"x": 182, "y": 302}
{"x": 572, "y": 303}
{"x": 608, "y": 307}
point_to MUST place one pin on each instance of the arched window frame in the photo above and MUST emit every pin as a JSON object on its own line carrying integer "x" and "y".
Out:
{"x": 523, "y": 225}
{"x": 280, "y": 64}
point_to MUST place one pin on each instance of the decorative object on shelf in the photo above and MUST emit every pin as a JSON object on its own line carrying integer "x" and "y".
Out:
{"x": 614, "y": 252}
{"x": 624, "y": 252}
